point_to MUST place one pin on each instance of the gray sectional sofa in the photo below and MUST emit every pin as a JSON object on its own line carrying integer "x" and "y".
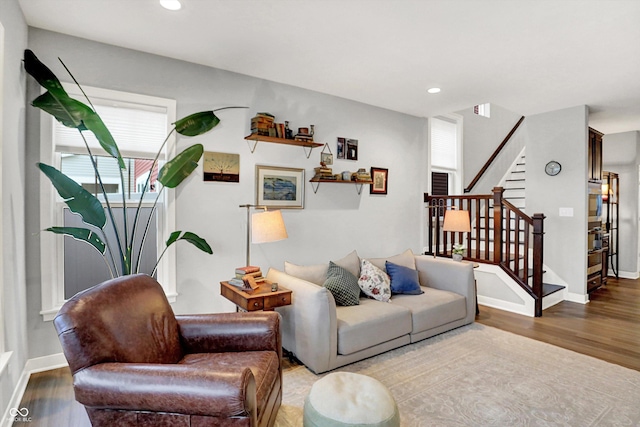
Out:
{"x": 324, "y": 336}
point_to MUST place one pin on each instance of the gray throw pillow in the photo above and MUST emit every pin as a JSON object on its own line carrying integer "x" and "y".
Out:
{"x": 343, "y": 285}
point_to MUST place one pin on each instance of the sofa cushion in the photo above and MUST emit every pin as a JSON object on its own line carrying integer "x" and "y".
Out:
{"x": 433, "y": 308}
{"x": 343, "y": 285}
{"x": 404, "y": 280}
{"x": 374, "y": 282}
{"x": 317, "y": 273}
{"x": 405, "y": 259}
{"x": 370, "y": 323}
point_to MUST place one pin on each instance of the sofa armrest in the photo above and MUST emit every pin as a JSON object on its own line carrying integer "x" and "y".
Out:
{"x": 227, "y": 332}
{"x": 450, "y": 276}
{"x": 309, "y": 324}
{"x": 176, "y": 388}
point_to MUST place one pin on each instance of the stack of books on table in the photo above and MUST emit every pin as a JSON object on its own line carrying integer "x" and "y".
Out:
{"x": 262, "y": 123}
{"x": 324, "y": 173}
{"x": 244, "y": 275}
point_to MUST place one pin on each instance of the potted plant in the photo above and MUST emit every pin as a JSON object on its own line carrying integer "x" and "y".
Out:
{"x": 118, "y": 256}
{"x": 457, "y": 252}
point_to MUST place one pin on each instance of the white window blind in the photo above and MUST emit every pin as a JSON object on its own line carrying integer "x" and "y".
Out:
{"x": 138, "y": 130}
{"x": 444, "y": 153}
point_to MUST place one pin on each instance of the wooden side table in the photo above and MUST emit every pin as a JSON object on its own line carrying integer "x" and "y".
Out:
{"x": 260, "y": 299}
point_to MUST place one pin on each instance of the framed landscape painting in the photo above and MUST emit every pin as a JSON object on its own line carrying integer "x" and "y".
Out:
{"x": 280, "y": 187}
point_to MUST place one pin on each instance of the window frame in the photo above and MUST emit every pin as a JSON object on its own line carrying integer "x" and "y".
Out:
{"x": 51, "y": 213}
{"x": 455, "y": 174}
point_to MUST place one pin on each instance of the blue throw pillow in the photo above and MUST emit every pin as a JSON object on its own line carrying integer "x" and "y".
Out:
{"x": 343, "y": 285}
{"x": 404, "y": 280}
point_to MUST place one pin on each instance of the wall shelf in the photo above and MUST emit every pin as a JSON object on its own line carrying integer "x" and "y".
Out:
{"x": 310, "y": 145}
{"x": 358, "y": 184}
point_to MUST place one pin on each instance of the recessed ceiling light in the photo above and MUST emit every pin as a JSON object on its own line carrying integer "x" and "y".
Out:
{"x": 171, "y": 4}
{"x": 434, "y": 90}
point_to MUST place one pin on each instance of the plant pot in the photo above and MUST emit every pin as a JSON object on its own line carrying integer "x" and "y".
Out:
{"x": 457, "y": 257}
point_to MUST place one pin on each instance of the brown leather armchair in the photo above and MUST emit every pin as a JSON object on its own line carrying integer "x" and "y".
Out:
{"x": 135, "y": 363}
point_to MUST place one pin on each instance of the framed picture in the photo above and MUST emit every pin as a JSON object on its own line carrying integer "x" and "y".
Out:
{"x": 352, "y": 149}
{"x": 341, "y": 148}
{"x": 280, "y": 187}
{"x": 380, "y": 178}
{"x": 222, "y": 167}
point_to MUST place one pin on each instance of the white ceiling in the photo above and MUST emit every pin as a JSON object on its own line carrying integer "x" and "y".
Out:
{"x": 529, "y": 56}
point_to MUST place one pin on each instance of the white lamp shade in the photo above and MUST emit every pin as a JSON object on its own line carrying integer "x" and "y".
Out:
{"x": 267, "y": 226}
{"x": 457, "y": 221}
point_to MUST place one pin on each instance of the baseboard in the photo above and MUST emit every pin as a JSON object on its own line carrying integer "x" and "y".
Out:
{"x": 38, "y": 364}
{"x": 579, "y": 298}
{"x": 628, "y": 275}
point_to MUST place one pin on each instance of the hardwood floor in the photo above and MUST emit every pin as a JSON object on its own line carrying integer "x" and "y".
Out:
{"x": 607, "y": 328}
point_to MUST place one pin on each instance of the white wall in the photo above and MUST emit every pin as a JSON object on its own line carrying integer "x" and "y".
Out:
{"x": 482, "y": 135}
{"x": 620, "y": 155}
{"x": 562, "y": 136}
{"x": 13, "y": 194}
{"x": 334, "y": 221}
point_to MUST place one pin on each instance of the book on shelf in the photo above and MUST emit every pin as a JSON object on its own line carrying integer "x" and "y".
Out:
{"x": 265, "y": 114}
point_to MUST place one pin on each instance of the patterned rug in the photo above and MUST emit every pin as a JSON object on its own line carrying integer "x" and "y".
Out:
{"x": 481, "y": 376}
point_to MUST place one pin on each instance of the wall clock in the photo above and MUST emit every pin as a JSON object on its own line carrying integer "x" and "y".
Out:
{"x": 553, "y": 168}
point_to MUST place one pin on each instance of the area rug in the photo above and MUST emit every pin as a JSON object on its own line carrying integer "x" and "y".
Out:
{"x": 481, "y": 376}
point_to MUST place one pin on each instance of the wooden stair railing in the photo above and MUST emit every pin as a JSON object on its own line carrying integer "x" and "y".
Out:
{"x": 501, "y": 234}
{"x": 493, "y": 156}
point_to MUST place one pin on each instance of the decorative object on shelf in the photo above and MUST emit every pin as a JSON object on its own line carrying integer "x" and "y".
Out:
{"x": 323, "y": 173}
{"x": 326, "y": 157}
{"x": 380, "y": 177}
{"x": 457, "y": 221}
{"x": 288, "y": 133}
{"x": 222, "y": 167}
{"x": 553, "y": 168}
{"x": 361, "y": 176}
{"x": 346, "y": 175}
{"x": 304, "y": 134}
{"x": 262, "y": 124}
{"x": 279, "y": 187}
{"x": 262, "y": 227}
{"x": 341, "y": 150}
{"x": 352, "y": 149}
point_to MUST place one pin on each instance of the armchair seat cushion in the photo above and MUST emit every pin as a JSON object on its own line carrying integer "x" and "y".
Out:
{"x": 263, "y": 365}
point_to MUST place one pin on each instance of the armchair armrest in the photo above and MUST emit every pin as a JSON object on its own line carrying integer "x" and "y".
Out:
{"x": 179, "y": 389}
{"x": 228, "y": 332}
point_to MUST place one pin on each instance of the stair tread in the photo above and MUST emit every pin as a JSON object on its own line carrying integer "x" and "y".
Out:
{"x": 549, "y": 288}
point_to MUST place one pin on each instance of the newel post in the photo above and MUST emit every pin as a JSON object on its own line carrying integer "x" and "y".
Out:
{"x": 538, "y": 257}
{"x": 497, "y": 224}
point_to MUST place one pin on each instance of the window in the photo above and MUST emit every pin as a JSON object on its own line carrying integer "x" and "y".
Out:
{"x": 483, "y": 110}
{"x": 139, "y": 124}
{"x": 445, "y": 138}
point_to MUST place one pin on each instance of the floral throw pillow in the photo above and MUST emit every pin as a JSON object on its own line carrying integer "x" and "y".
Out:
{"x": 374, "y": 282}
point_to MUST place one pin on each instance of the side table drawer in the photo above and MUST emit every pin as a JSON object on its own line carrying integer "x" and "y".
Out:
{"x": 255, "y": 304}
{"x": 277, "y": 301}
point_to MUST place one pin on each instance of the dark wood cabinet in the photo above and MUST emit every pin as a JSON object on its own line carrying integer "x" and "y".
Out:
{"x": 594, "y": 172}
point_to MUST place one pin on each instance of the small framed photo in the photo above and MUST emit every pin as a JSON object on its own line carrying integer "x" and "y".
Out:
{"x": 221, "y": 167}
{"x": 352, "y": 149}
{"x": 341, "y": 148}
{"x": 380, "y": 178}
{"x": 280, "y": 187}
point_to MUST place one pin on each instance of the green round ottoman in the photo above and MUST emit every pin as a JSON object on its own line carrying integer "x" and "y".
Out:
{"x": 347, "y": 399}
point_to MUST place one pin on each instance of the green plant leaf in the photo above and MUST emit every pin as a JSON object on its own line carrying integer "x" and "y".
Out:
{"x": 82, "y": 234}
{"x": 73, "y": 113}
{"x": 192, "y": 238}
{"x": 180, "y": 167}
{"x": 197, "y": 123}
{"x": 43, "y": 75}
{"x": 78, "y": 199}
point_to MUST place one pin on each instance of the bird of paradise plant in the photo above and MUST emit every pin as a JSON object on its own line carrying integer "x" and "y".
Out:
{"x": 75, "y": 114}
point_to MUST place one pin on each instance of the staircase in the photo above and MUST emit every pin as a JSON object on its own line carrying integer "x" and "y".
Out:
{"x": 514, "y": 183}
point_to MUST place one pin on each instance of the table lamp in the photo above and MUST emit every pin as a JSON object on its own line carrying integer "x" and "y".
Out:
{"x": 456, "y": 221}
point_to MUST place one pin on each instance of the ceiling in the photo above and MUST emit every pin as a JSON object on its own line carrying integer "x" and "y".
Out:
{"x": 529, "y": 56}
